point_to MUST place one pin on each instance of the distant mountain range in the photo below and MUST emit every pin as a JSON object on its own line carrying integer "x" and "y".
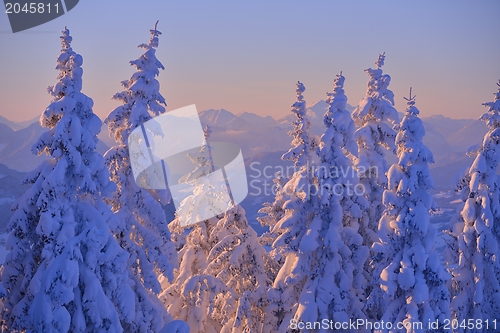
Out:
{"x": 264, "y": 140}
{"x": 18, "y": 125}
{"x": 447, "y": 138}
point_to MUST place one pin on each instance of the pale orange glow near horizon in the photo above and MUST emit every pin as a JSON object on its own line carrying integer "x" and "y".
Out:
{"x": 248, "y": 57}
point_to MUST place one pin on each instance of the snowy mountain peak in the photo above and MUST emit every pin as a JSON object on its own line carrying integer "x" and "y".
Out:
{"x": 317, "y": 109}
{"x": 16, "y": 126}
{"x": 214, "y": 117}
{"x": 257, "y": 120}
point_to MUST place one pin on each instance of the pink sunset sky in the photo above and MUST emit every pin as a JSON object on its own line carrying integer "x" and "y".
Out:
{"x": 248, "y": 56}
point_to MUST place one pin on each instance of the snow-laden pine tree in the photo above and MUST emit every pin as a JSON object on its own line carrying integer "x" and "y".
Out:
{"x": 336, "y": 283}
{"x": 141, "y": 228}
{"x": 411, "y": 286}
{"x": 303, "y": 143}
{"x": 476, "y": 272}
{"x": 65, "y": 271}
{"x": 298, "y": 229}
{"x": 374, "y": 117}
{"x": 274, "y": 212}
{"x": 204, "y": 165}
{"x": 334, "y": 278}
{"x": 242, "y": 263}
{"x": 223, "y": 275}
{"x": 209, "y": 196}
{"x": 202, "y": 300}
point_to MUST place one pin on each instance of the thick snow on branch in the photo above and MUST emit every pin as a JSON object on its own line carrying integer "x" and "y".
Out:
{"x": 473, "y": 258}
{"x": 65, "y": 271}
{"x": 409, "y": 283}
{"x": 142, "y": 227}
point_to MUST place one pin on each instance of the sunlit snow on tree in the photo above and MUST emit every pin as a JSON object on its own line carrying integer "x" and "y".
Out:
{"x": 475, "y": 265}
{"x": 410, "y": 283}
{"x": 141, "y": 226}
{"x": 65, "y": 271}
{"x": 374, "y": 117}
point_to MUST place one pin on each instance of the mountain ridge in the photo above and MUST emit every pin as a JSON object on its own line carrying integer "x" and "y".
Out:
{"x": 254, "y": 134}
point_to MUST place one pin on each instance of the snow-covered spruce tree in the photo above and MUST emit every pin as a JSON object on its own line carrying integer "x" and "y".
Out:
{"x": 65, "y": 271}
{"x": 204, "y": 165}
{"x": 274, "y": 212}
{"x": 222, "y": 280}
{"x": 335, "y": 286}
{"x": 242, "y": 263}
{"x": 373, "y": 116}
{"x": 476, "y": 275}
{"x": 299, "y": 227}
{"x": 202, "y": 300}
{"x": 411, "y": 287}
{"x": 206, "y": 197}
{"x": 142, "y": 228}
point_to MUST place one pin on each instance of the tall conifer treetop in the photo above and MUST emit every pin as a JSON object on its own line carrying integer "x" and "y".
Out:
{"x": 141, "y": 227}
{"x": 65, "y": 272}
{"x": 375, "y": 117}
{"x": 302, "y": 142}
{"x": 409, "y": 283}
{"x": 142, "y": 98}
{"x": 476, "y": 267}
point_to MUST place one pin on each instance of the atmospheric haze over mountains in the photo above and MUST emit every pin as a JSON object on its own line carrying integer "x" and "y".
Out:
{"x": 262, "y": 139}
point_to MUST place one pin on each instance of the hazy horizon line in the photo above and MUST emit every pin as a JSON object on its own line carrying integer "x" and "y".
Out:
{"x": 308, "y": 106}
